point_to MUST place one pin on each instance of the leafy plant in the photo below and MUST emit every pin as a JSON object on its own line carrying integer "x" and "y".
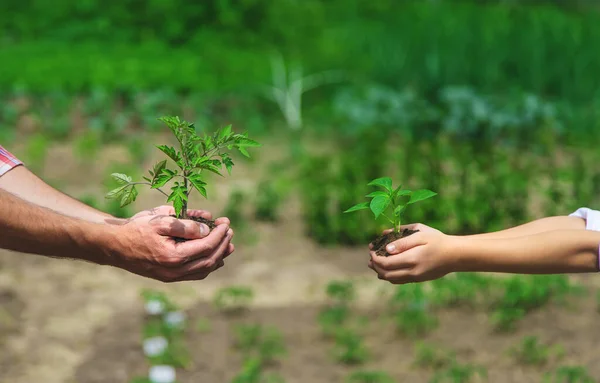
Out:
{"x": 459, "y": 373}
{"x": 367, "y": 376}
{"x": 266, "y": 344}
{"x": 252, "y": 372}
{"x": 330, "y": 318}
{"x": 411, "y": 310}
{"x": 523, "y": 294}
{"x": 430, "y": 356}
{"x": 569, "y": 374}
{"x": 195, "y": 156}
{"x": 268, "y": 199}
{"x": 349, "y": 347}
{"x": 531, "y": 351}
{"x": 233, "y": 298}
{"x": 381, "y": 200}
{"x": 341, "y": 291}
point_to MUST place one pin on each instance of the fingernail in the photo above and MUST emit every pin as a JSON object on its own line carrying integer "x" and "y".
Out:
{"x": 230, "y": 232}
{"x": 204, "y": 230}
{"x": 391, "y": 248}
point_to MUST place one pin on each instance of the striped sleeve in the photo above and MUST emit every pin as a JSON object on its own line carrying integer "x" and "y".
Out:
{"x": 7, "y": 161}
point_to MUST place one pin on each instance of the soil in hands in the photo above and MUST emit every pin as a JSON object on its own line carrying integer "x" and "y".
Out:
{"x": 208, "y": 222}
{"x": 382, "y": 241}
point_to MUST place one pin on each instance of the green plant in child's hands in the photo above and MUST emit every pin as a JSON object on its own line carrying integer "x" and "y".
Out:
{"x": 396, "y": 200}
{"x": 194, "y": 156}
{"x": 390, "y": 197}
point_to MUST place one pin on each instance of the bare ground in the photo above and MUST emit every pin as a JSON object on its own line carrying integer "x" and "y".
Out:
{"x": 66, "y": 321}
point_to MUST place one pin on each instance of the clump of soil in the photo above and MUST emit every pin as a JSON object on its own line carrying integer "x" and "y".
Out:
{"x": 382, "y": 241}
{"x": 208, "y": 222}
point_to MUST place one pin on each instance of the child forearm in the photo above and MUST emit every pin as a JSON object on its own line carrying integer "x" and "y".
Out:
{"x": 560, "y": 251}
{"x": 536, "y": 227}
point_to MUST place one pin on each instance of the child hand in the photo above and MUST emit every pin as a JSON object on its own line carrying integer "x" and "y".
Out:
{"x": 422, "y": 256}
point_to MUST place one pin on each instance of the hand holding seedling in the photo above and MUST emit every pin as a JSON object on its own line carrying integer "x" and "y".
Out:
{"x": 180, "y": 237}
{"x": 422, "y": 256}
{"x": 146, "y": 246}
{"x": 396, "y": 200}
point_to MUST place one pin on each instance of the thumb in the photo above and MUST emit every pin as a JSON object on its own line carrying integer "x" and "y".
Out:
{"x": 406, "y": 243}
{"x": 182, "y": 228}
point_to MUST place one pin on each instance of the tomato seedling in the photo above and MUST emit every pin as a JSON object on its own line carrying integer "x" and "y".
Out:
{"x": 396, "y": 200}
{"x": 193, "y": 158}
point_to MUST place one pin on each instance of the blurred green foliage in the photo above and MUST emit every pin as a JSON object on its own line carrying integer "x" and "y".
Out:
{"x": 216, "y": 45}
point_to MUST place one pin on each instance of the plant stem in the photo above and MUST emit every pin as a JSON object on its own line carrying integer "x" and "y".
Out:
{"x": 147, "y": 183}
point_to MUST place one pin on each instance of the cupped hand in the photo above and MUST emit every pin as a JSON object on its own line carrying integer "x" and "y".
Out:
{"x": 145, "y": 245}
{"x": 422, "y": 256}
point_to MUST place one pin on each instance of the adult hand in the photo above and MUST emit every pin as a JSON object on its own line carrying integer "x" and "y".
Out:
{"x": 145, "y": 245}
{"x": 422, "y": 256}
{"x": 168, "y": 210}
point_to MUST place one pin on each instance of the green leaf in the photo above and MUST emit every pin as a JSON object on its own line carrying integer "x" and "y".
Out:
{"x": 129, "y": 195}
{"x": 379, "y": 204}
{"x": 122, "y": 179}
{"x": 420, "y": 195}
{"x": 243, "y": 141}
{"x": 161, "y": 179}
{"x": 227, "y": 161}
{"x": 398, "y": 210}
{"x": 360, "y": 206}
{"x": 224, "y": 133}
{"x": 116, "y": 193}
{"x": 198, "y": 183}
{"x": 158, "y": 169}
{"x": 385, "y": 182}
{"x": 170, "y": 152}
{"x": 212, "y": 168}
{"x": 243, "y": 151}
{"x": 178, "y": 196}
{"x": 377, "y": 193}
{"x": 402, "y": 193}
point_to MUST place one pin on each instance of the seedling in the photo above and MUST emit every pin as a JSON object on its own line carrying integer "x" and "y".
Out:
{"x": 396, "y": 200}
{"x": 349, "y": 347}
{"x": 460, "y": 373}
{"x": 195, "y": 156}
{"x": 531, "y": 351}
{"x": 233, "y": 299}
{"x": 431, "y": 356}
{"x": 257, "y": 341}
{"x": 569, "y": 374}
{"x": 252, "y": 372}
{"x": 367, "y": 376}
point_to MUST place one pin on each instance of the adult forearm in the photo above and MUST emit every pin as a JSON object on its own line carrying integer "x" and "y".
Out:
{"x": 28, "y": 228}
{"x": 535, "y": 227}
{"x": 549, "y": 252}
{"x": 27, "y": 186}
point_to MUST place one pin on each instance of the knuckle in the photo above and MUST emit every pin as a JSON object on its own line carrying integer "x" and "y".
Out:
{"x": 210, "y": 264}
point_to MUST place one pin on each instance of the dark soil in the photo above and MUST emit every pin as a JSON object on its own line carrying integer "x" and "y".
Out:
{"x": 210, "y": 223}
{"x": 382, "y": 241}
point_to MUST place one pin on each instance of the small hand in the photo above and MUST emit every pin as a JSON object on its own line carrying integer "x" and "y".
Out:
{"x": 144, "y": 245}
{"x": 420, "y": 257}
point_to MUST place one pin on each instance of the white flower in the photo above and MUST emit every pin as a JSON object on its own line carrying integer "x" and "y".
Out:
{"x": 155, "y": 346}
{"x": 162, "y": 374}
{"x": 175, "y": 318}
{"x": 154, "y": 307}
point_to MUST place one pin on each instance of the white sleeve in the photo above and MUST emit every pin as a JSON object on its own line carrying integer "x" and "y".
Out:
{"x": 591, "y": 217}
